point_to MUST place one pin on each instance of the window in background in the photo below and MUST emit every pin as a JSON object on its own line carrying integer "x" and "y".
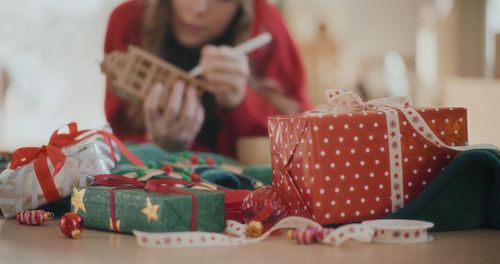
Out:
{"x": 51, "y": 50}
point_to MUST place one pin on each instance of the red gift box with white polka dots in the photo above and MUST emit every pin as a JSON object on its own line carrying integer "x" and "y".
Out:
{"x": 335, "y": 168}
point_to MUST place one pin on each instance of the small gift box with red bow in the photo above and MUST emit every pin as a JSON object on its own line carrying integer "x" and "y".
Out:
{"x": 40, "y": 175}
{"x": 355, "y": 160}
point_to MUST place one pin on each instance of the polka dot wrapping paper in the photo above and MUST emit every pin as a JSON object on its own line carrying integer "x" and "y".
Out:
{"x": 337, "y": 168}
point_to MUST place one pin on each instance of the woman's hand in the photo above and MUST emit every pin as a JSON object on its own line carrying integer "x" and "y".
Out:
{"x": 173, "y": 126}
{"x": 226, "y": 71}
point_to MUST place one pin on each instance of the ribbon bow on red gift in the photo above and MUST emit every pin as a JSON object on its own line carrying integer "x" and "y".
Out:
{"x": 346, "y": 101}
{"x": 53, "y": 152}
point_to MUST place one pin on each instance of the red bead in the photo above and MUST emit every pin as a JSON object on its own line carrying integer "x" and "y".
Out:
{"x": 210, "y": 161}
{"x": 71, "y": 225}
{"x": 195, "y": 177}
{"x": 264, "y": 205}
{"x": 194, "y": 159}
{"x": 167, "y": 168}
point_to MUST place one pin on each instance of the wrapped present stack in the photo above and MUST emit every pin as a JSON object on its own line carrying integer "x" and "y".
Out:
{"x": 352, "y": 161}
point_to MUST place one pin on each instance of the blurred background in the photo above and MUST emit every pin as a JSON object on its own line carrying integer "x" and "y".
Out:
{"x": 440, "y": 52}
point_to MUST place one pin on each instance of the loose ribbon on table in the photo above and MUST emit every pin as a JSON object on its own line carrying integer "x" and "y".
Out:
{"x": 236, "y": 235}
{"x": 154, "y": 185}
{"x": 53, "y": 152}
{"x": 346, "y": 101}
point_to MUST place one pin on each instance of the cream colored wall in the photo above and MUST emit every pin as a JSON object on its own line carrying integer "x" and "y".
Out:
{"x": 52, "y": 51}
{"x": 481, "y": 97}
{"x": 363, "y": 30}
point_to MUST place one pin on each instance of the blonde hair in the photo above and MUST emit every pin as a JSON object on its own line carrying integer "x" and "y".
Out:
{"x": 156, "y": 18}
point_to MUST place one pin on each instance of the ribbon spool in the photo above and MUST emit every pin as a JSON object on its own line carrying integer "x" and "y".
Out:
{"x": 399, "y": 231}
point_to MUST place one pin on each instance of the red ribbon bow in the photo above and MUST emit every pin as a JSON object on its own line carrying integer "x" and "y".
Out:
{"x": 53, "y": 152}
{"x": 154, "y": 185}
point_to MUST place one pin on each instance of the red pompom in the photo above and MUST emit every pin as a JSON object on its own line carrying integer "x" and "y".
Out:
{"x": 194, "y": 160}
{"x": 195, "y": 177}
{"x": 210, "y": 161}
{"x": 167, "y": 168}
{"x": 71, "y": 225}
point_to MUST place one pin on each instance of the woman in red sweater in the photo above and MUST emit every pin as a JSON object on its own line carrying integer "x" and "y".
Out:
{"x": 188, "y": 32}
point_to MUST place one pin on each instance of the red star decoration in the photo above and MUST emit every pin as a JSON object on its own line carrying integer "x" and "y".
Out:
{"x": 398, "y": 197}
{"x": 393, "y": 134}
{"x": 421, "y": 129}
{"x": 394, "y": 145}
{"x": 396, "y": 187}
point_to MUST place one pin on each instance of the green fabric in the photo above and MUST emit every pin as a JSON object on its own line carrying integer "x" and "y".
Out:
{"x": 465, "y": 195}
{"x": 152, "y": 153}
{"x": 174, "y": 210}
{"x": 262, "y": 173}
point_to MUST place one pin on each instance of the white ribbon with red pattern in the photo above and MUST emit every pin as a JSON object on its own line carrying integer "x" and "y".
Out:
{"x": 237, "y": 236}
{"x": 346, "y": 101}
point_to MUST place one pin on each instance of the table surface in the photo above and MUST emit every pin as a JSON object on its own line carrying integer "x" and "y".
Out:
{"x": 30, "y": 244}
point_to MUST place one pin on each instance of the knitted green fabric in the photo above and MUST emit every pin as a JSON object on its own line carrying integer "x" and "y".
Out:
{"x": 465, "y": 195}
{"x": 151, "y": 153}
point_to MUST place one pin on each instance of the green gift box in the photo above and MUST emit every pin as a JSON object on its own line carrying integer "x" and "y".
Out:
{"x": 138, "y": 209}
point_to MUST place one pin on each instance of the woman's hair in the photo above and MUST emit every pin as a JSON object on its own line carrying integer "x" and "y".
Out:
{"x": 156, "y": 20}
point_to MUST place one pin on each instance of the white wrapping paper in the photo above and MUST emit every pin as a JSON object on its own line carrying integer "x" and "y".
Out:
{"x": 20, "y": 189}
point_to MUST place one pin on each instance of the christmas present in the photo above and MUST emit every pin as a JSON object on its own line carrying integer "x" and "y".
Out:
{"x": 155, "y": 206}
{"x": 354, "y": 161}
{"x": 37, "y": 176}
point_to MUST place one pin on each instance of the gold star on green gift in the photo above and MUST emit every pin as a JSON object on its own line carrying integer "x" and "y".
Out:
{"x": 151, "y": 211}
{"x": 77, "y": 200}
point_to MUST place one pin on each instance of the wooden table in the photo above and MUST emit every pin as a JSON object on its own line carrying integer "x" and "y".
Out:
{"x": 45, "y": 244}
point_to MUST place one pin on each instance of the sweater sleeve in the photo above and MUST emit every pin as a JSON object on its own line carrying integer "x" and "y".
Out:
{"x": 285, "y": 66}
{"x": 122, "y": 30}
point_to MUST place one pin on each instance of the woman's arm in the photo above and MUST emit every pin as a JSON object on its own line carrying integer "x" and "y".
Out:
{"x": 281, "y": 65}
{"x": 122, "y": 31}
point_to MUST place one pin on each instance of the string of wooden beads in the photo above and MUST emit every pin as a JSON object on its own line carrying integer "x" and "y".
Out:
{"x": 308, "y": 235}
